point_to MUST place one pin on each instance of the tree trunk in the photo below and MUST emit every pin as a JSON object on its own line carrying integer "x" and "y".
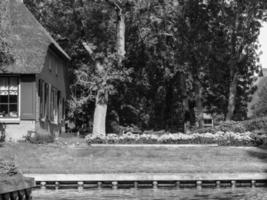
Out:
{"x": 99, "y": 126}
{"x": 199, "y": 105}
{"x": 231, "y": 99}
{"x": 182, "y": 124}
{"x": 120, "y": 37}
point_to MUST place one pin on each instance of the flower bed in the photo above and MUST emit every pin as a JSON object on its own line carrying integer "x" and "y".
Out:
{"x": 220, "y": 138}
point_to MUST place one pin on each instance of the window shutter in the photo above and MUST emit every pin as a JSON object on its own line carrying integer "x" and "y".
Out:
{"x": 28, "y": 98}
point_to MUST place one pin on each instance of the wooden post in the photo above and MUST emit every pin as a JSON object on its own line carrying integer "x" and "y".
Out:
{"x": 28, "y": 193}
{"x": 178, "y": 184}
{"x": 233, "y": 183}
{"x": 21, "y": 195}
{"x": 199, "y": 185}
{"x": 80, "y": 185}
{"x": 56, "y": 185}
{"x": 218, "y": 184}
{"x": 253, "y": 183}
{"x": 155, "y": 184}
{"x": 115, "y": 184}
{"x": 43, "y": 185}
{"x": 99, "y": 185}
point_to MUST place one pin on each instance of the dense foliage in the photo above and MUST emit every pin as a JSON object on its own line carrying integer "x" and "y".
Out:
{"x": 182, "y": 58}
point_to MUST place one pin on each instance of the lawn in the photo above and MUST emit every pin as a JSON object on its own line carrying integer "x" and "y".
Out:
{"x": 80, "y": 158}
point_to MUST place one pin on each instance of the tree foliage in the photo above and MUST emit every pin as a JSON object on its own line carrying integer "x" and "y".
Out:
{"x": 183, "y": 58}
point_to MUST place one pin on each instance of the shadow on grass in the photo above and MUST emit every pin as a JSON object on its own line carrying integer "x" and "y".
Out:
{"x": 261, "y": 154}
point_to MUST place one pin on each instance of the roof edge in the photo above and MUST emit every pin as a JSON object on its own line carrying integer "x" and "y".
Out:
{"x": 60, "y": 51}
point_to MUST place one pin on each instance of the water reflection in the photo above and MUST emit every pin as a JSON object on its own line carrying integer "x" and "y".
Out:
{"x": 153, "y": 194}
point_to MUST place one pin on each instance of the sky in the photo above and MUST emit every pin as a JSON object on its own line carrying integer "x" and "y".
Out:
{"x": 263, "y": 42}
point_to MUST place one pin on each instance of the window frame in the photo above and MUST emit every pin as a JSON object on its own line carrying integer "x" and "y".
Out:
{"x": 17, "y": 118}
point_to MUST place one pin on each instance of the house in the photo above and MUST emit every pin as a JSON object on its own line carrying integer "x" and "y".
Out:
{"x": 33, "y": 89}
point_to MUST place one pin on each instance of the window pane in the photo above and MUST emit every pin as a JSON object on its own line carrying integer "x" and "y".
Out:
{"x": 13, "y": 98}
{"x": 3, "y": 110}
{"x": 13, "y": 110}
{"x": 3, "y": 83}
{"x": 3, "y": 97}
{"x": 13, "y": 92}
{"x": 13, "y": 83}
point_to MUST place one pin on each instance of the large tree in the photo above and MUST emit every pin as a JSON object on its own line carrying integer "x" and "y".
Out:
{"x": 240, "y": 23}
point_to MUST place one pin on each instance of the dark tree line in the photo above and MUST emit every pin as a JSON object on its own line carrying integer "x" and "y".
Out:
{"x": 177, "y": 60}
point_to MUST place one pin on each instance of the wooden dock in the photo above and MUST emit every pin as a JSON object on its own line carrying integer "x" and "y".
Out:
{"x": 145, "y": 180}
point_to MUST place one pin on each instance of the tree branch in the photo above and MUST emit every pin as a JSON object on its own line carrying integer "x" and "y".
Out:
{"x": 114, "y": 4}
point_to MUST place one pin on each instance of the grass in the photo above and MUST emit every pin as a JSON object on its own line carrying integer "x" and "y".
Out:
{"x": 77, "y": 157}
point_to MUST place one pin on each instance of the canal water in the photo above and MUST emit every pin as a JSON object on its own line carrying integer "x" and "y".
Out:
{"x": 153, "y": 194}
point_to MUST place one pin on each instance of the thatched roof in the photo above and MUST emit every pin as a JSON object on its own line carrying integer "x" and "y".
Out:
{"x": 29, "y": 40}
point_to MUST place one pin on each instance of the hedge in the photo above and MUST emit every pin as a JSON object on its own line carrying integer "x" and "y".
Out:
{"x": 220, "y": 138}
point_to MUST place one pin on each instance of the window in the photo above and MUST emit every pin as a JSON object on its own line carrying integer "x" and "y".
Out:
{"x": 9, "y": 95}
{"x": 44, "y": 99}
{"x": 207, "y": 121}
{"x": 50, "y": 103}
{"x": 41, "y": 97}
{"x": 63, "y": 109}
{"x": 59, "y": 105}
{"x": 54, "y": 105}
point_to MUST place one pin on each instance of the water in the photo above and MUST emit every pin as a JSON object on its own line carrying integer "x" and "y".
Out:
{"x": 153, "y": 194}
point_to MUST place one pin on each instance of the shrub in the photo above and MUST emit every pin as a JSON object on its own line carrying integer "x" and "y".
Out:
{"x": 36, "y": 138}
{"x": 205, "y": 130}
{"x": 232, "y": 126}
{"x": 256, "y": 124}
{"x": 2, "y": 137}
{"x": 2, "y": 132}
{"x": 8, "y": 168}
{"x": 133, "y": 129}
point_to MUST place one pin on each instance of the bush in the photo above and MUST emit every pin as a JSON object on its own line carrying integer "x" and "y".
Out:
{"x": 205, "y": 130}
{"x": 232, "y": 126}
{"x": 35, "y": 138}
{"x": 2, "y": 132}
{"x": 8, "y": 168}
{"x": 220, "y": 138}
{"x": 256, "y": 124}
